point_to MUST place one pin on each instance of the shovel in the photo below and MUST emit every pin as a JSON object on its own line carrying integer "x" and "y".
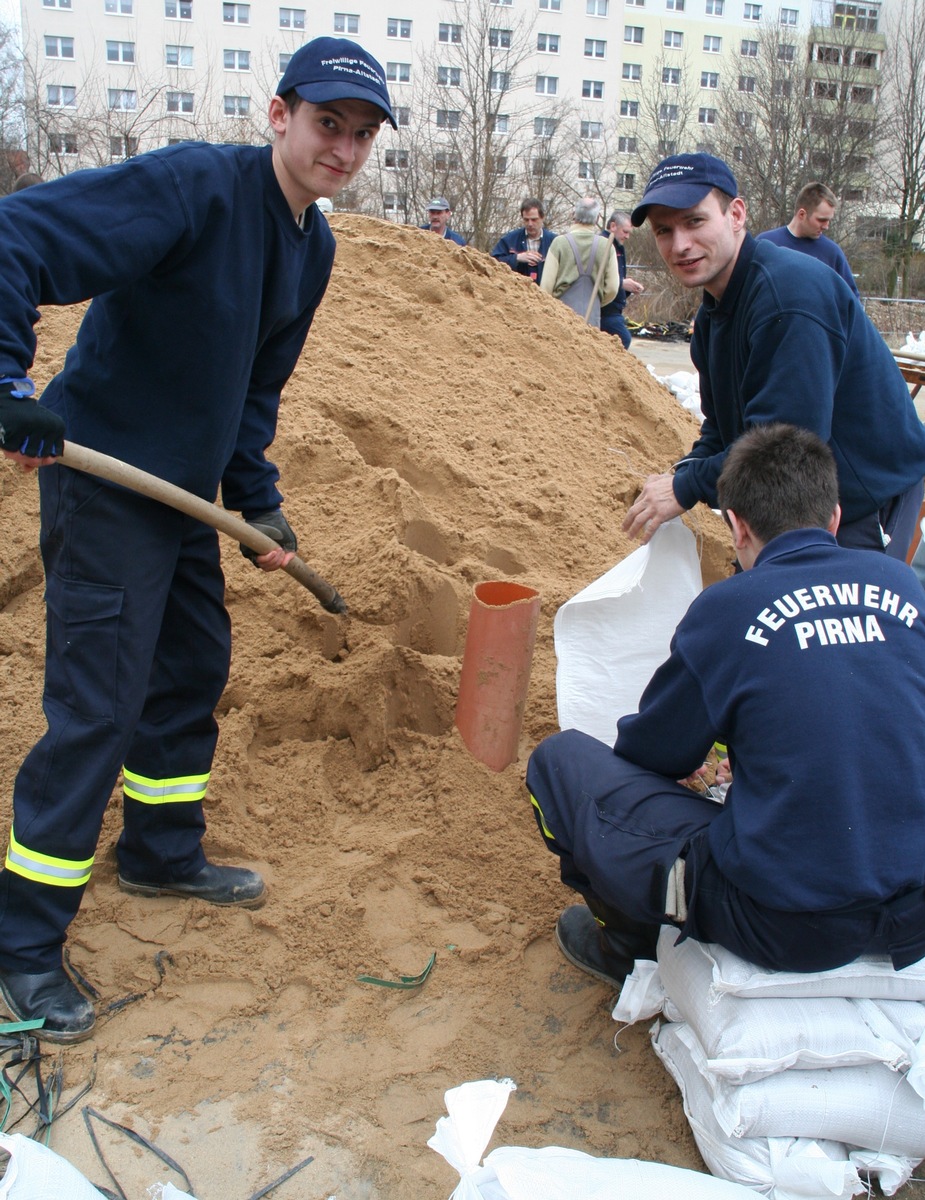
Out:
{"x": 80, "y": 458}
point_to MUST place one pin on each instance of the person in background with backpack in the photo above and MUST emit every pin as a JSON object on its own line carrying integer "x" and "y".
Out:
{"x": 574, "y": 260}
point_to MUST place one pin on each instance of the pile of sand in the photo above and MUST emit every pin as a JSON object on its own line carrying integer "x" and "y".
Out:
{"x": 448, "y": 423}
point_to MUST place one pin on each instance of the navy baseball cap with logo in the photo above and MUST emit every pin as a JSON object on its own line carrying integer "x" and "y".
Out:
{"x": 682, "y": 181}
{"x": 336, "y": 69}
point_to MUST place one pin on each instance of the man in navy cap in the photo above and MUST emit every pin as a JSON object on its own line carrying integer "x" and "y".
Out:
{"x": 206, "y": 264}
{"x": 779, "y": 337}
{"x": 438, "y": 220}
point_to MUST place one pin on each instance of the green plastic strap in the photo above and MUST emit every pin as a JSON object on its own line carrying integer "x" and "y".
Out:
{"x": 21, "y": 1026}
{"x": 407, "y": 981}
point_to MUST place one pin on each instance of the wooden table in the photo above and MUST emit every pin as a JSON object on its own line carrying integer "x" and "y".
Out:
{"x": 912, "y": 368}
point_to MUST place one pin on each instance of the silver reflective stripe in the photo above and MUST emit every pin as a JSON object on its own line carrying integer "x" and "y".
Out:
{"x": 160, "y": 791}
{"x": 164, "y": 791}
{"x": 43, "y": 868}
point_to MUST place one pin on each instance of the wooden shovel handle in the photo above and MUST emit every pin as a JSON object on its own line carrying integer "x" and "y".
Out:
{"x": 80, "y": 458}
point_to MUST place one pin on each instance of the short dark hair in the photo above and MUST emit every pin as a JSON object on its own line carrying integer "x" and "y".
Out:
{"x": 723, "y": 198}
{"x": 27, "y": 179}
{"x": 814, "y": 194}
{"x": 779, "y": 477}
{"x": 292, "y": 99}
{"x": 532, "y": 202}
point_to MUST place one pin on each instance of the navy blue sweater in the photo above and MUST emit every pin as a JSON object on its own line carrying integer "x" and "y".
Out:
{"x": 790, "y": 342}
{"x": 811, "y": 668}
{"x": 514, "y": 242}
{"x": 205, "y": 289}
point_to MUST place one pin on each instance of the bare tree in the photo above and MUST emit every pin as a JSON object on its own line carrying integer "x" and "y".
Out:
{"x": 901, "y": 161}
{"x": 12, "y": 131}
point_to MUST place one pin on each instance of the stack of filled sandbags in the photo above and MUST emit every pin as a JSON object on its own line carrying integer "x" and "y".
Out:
{"x": 796, "y": 1085}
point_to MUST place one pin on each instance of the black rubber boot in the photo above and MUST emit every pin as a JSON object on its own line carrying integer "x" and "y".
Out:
{"x": 52, "y": 995}
{"x": 226, "y": 886}
{"x": 608, "y": 951}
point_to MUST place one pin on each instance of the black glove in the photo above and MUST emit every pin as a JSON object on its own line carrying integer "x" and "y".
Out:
{"x": 25, "y": 426}
{"x": 275, "y": 526}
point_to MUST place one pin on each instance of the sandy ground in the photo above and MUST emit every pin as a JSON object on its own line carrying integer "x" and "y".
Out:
{"x": 448, "y": 424}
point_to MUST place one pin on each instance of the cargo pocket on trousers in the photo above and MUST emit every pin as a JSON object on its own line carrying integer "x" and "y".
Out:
{"x": 83, "y": 646}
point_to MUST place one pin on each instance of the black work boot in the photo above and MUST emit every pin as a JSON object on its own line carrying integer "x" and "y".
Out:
{"x": 52, "y": 995}
{"x": 608, "y": 951}
{"x": 227, "y": 886}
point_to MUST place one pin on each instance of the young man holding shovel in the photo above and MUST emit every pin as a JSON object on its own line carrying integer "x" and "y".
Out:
{"x": 206, "y": 264}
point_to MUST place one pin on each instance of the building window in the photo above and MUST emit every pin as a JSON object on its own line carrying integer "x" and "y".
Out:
{"x": 499, "y": 39}
{"x": 752, "y": 12}
{"x": 597, "y": 8}
{"x": 712, "y": 45}
{"x": 292, "y": 18}
{"x": 550, "y": 5}
{"x": 626, "y": 145}
{"x": 178, "y": 10}
{"x": 394, "y": 201}
{"x": 59, "y": 47}
{"x": 445, "y": 162}
{"x": 866, "y": 59}
{"x": 499, "y": 123}
{"x": 58, "y": 96}
{"x": 447, "y": 118}
{"x": 588, "y": 170}
{"x": 595, "y": 48}
{"x": 285, "y": 57}
{"x": 347, "y": 23}
{"x": 746, "y": 83}
{"x": 541, "y": 166}
{"x": 499, "y": 81}
{"x": 397, "y": 160}
{"x": 789, "y": 16}
{"x": 632, "y": 72}
{"x": 631, "y": 33}
{"x": 786, "y": 52}
{"x": 715, "y": 8}
{"x": 862, "y": 95}
{"x": 449, "y": 76}
{"x": 120, "y": 52}
{"x": 749, "y": 49}
{"x": 831, "y": 55}
{"x": 823, "y": 89}
{"x": 62, "y": 143}
{"x": 178, "y": 56}
{"x": 546, "y": 43}
{"x": 120, "y": 8}
{"x": 236, "y": 60}
{"x": 122, "y": 99}
{"x": 591, "y": 131}
{"x": 450, "y": 33}
{"x": 707, "y": 116}
{"x": 629, "y": 108}
{"x": 399, "y": 72}
{"x": 671, "y": 76}
{"x": 179, "y": 102}
{"x": 782, "y": 89}
{"x": 123, "y": 146}
{"x": 626, "y": 183}
{"x": 668, "y": 112}
{"x": 672, "y": 39}
{"x": 634, "y": 3}
{"x": 547, "y": 85}
{"x": 544, "y": 127}
{"x": 674, "y": 5}
{"x": 402, "y": 115}
{"x": 497, "y": 164}
{"x": 592, "y": 89}
{"x": 236, "y": 14}
{"x": 506, "y": 3}
{"x": 745, "y": 119}
{"x": 56, "y": 3}
{"x": 709, "y": 79}
{"x": 237, "y": 106}
{"x": 395, "y": 27}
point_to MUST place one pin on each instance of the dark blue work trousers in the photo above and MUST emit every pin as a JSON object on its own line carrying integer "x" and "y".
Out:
{"x": 614, "y": 323}
{"x": 617, "y": 829}
{"x": 137, "y": 657}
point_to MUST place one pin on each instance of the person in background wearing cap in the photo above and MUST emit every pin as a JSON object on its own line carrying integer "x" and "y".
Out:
{"x": 206, "y": 264}
{"x": 438, "y": 217}
{"x": 612, "y": 319}
{"x": 524, "y": 250}
{"x": 779, "y": 337}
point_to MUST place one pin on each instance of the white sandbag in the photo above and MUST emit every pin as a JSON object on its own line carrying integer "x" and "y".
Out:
{"x": 611, "y": 636}
{"x": 551, "y": 1173}
{"x": 642, "y": 995}
{"x": 745, "y": 1040}
{"x": 868, "y": 1107}
{"x": 871, "y": 977}
{"x": 36, "y": 1173}
{"x": 907, "y": 1018}
{"x": 781, "y": 1168}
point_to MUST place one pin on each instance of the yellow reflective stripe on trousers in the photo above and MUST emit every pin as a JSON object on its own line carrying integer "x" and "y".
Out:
{"x": 164, "y": 791}
{"x": 543, "y": 825}
{"x": 42, "y": 868}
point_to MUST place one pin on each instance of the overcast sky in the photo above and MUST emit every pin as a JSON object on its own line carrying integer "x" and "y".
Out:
{"x": 9, "y": 12}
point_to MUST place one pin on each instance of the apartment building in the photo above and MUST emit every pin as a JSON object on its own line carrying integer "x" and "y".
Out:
{"x": 109, "y": 78}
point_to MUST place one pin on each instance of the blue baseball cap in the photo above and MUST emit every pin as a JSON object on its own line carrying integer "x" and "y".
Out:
{"x": 682, "y": 181}
{"x": 336, "y": 69}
